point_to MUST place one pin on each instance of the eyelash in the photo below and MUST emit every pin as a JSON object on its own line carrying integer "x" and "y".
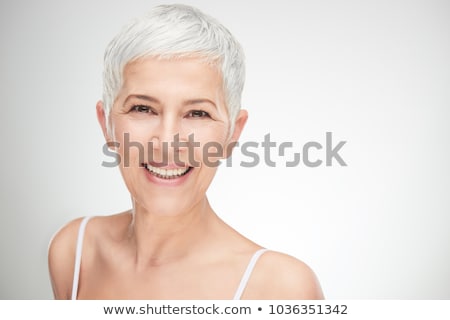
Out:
{"x": 203, "y": 114}
{"x": 141, "y": 109}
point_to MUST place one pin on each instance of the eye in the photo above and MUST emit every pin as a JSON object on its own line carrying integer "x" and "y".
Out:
{"x": 198, "y": 114}
{"x": 141, "y": 109}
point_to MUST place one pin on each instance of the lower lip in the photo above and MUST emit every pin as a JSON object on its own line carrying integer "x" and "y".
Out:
{"x": 167, "y": 182}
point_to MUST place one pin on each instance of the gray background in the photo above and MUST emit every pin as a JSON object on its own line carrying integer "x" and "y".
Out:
{"x": 375, "y": 73}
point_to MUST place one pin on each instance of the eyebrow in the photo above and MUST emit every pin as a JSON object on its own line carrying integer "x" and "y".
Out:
{"x": 198, "y": 101}
{"x": 142, "y": 97}
{"x": 155, "y": 100}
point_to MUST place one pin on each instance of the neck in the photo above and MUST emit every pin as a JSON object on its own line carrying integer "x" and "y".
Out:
{"x": 160, "y": 239}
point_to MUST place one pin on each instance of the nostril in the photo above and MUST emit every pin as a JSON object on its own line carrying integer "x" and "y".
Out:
{"x": 154, "y": 142}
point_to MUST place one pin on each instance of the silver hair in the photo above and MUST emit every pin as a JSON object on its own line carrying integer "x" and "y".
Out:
{"x": 176, "y": 31}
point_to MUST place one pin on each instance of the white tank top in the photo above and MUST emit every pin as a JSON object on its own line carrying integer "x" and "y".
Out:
{"x": 76, "y": 275}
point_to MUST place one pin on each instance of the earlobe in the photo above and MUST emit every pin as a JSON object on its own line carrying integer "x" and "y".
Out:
{"x": 239, "y": 125}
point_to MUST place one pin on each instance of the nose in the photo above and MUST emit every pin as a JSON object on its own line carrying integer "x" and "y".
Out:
{"x": 166, "y": 132}
{"x": 168, "y": 141}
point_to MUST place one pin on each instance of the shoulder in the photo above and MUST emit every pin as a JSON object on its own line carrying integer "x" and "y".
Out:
{"x": 63, "y": 245}
{"x": 61, "y": 258}
{"x": 278, "y": 276}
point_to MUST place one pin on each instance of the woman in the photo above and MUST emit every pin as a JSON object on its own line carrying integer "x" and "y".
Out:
{"x": 171, "y": 110}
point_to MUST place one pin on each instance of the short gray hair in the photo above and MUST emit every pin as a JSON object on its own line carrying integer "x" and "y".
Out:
{"x": 175, "y": 31}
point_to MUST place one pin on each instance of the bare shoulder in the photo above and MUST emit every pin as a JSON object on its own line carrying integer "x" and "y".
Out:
{"x": 278, "y": 276}
{"x": 61, "y": 258}
{"x": 62, "y": 248}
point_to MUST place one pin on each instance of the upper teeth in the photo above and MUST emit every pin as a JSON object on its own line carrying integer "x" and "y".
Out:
{"x": 167, "y": 172}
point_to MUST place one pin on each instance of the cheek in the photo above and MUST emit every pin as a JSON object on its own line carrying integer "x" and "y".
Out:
{"x": 210, "y": 145}
{"x": 133, "y": 142}
{"x": 135, "y": 138}
{"x": 132, "y": 129}
{"x": 210, "y": 153}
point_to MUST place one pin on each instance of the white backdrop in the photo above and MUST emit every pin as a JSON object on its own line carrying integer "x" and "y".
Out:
{"x": 374, "y": 73}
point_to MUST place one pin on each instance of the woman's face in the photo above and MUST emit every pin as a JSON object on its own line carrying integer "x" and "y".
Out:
{"x": 171, "y": 125}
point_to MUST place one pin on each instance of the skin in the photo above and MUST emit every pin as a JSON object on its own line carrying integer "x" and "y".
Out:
{"x": 171, "y": 244}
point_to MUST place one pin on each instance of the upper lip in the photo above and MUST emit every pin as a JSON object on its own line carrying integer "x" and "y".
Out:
{"x": 168, "y": 166}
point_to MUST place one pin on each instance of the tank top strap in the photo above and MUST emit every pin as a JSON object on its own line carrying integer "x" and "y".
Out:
{"x": 78, "y": 253}
{"x": 248, "y": 273}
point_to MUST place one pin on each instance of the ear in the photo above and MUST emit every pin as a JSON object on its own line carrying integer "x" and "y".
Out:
{"x": 101, "y": 116}
{"x": 239, "y": 125}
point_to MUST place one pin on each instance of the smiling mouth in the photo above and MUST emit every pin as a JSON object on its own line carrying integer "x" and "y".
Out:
{"x": 166, "y": 173}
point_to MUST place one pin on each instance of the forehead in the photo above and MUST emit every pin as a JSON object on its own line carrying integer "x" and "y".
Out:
{"x": 174, "y": 77}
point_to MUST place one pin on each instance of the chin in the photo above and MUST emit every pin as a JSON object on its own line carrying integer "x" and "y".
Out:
{"x": 168, "y": 192}
{"x": 168, "y": 205}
